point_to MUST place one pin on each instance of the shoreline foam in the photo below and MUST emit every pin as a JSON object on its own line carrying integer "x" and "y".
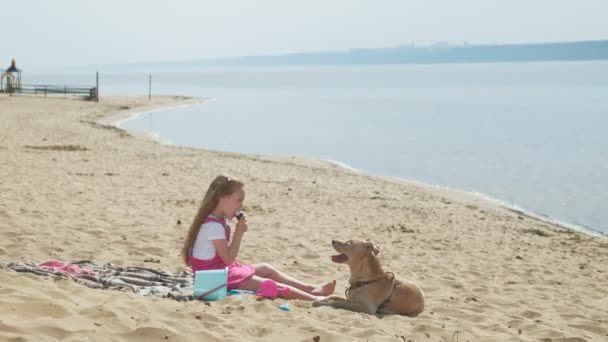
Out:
{"x": 347, "y": 167}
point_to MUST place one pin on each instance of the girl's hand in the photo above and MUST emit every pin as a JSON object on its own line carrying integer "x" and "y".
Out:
{"x": 241, "y": 226}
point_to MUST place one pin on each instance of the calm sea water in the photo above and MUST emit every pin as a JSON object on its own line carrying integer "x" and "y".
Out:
{"x": 531, "y": 135}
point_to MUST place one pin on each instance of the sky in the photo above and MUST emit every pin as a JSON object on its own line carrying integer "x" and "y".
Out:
{"x": 82, "y": 32}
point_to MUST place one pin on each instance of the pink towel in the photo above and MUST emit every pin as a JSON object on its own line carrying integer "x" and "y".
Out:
{"x": 67, "y": 268}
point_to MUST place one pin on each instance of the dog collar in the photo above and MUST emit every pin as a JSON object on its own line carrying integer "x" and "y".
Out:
{"x": 359, "y": 284}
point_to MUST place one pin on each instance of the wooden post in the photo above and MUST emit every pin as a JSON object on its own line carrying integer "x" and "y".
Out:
{"x": 97, "y": 86}
{"x": 150, "y": 88}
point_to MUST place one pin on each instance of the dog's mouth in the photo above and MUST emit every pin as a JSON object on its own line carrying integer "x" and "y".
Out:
{"x": 340, "y": 258}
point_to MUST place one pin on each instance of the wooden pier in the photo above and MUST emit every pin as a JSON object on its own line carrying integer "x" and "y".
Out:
{"x": 90, "y": 93}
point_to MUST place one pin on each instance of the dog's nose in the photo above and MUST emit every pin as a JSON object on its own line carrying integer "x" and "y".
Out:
{"x": 333, "y": 242}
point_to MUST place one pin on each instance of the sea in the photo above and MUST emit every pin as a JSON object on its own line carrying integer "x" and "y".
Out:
{"x": 529, "y": 136}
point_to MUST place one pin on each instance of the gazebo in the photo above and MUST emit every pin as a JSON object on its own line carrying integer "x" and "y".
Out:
{"x": 11, "y": 78}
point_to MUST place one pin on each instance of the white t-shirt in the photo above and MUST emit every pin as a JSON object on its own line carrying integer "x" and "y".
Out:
{"x": 203, "y": 247}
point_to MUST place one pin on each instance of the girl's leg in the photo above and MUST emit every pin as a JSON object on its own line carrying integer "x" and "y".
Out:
{"x": 254, "y": 282}
{"x": 268, "y": 271}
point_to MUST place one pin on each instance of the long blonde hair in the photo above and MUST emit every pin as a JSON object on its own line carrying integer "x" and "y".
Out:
{"x": 221, "y": 186}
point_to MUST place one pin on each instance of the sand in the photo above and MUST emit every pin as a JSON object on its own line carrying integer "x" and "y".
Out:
{"x": 74, "y": 187}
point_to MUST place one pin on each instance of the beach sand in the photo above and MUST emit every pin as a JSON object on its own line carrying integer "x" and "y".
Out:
{"x": 74, "y": 187}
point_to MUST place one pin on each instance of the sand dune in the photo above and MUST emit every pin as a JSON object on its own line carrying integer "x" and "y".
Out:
{"x": 74, "y": 187}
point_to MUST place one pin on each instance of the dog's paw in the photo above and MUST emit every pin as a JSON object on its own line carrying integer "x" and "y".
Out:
{"x": 320, "y": 302}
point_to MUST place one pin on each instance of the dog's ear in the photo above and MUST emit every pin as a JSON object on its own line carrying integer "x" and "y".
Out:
{"x": 373, "y": 247}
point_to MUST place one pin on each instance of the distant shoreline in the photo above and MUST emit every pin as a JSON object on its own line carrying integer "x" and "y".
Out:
{"x": 434, "y": 54}
{"x": 582, "y": 51}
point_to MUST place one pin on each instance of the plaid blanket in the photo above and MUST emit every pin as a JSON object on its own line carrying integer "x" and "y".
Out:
{"x": 143, "y": 280}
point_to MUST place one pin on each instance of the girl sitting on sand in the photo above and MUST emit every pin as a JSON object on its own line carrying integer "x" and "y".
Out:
{"x": 208, "y": 245}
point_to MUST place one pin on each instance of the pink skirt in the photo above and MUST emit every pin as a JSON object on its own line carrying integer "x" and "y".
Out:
{"x": 237, "y": 272}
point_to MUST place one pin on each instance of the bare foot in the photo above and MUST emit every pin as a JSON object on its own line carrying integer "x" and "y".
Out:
{"x": 325, "y": 289}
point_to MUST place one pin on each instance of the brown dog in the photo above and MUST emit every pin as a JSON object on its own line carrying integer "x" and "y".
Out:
{"x": 371, "y": 289}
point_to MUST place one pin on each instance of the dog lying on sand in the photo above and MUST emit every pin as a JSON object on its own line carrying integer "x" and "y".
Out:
{"x": 371, "y": 289}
